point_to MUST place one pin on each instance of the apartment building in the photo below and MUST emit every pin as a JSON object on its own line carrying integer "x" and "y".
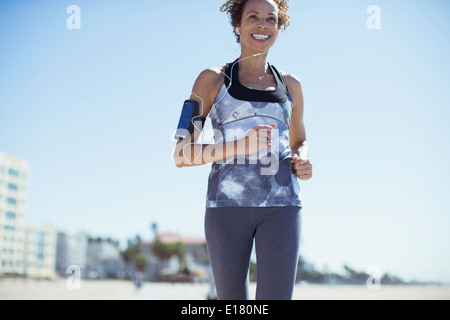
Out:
{"x": 24, "y": 249}
{"x": 14, "y": 181}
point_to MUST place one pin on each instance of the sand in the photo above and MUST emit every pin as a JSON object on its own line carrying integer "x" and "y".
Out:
{"x": 21, "y": 289}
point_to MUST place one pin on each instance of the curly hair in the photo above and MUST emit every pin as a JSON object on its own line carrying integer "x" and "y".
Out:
{"x": 235, "y": 9}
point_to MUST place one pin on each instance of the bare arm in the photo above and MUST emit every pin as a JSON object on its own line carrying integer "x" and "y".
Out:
{"x": 297, "y": 131}
{"x": 204, "y": 91}
{"x": 189, "y": 153}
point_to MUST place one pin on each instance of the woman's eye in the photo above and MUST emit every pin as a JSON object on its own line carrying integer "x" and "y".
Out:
{"x": 253, "y": 16}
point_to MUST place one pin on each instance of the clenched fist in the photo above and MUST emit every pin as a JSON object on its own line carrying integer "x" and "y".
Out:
{"x": 302, "y": 168}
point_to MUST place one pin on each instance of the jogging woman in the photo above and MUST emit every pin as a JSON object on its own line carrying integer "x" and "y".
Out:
{"x": 259, "y": 154}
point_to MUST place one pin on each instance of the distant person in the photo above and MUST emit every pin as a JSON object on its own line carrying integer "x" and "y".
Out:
{"x": 138, "y": 279}
{"x": 260, "y": 150}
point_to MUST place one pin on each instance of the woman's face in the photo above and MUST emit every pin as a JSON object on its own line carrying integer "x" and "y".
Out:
{"x": 259, "y": 25}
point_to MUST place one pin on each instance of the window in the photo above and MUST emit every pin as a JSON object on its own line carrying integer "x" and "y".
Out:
{"x": 9, "y": 228}
{"x": 12, "y": 186}
{"x": 40, "y": 245}
{"x": 13, "y": 172}
{"x": 11, "y": 201}
{"x": 10, "y": 215}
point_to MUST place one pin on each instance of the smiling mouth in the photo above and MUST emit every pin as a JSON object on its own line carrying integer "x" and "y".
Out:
{"x": 259, "y": 36}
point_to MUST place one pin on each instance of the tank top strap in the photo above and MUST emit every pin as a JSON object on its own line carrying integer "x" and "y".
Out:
{"x": 281, "y": 78}
{"x": 241, "y": 92}
{"x": 228, "y": 75}
{"x": 277, "y": 74}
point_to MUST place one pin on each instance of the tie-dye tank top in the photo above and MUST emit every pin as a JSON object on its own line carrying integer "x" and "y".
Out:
{"x": 263, "y": 179}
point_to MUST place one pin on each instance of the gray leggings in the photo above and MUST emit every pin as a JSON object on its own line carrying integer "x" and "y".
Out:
{"x": 229, "y": 238}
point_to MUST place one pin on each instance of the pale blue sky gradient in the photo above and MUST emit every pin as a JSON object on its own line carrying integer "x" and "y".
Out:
{"x": 93, "y": 112}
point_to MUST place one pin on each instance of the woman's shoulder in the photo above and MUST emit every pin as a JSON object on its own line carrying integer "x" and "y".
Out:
{"x": 291, "y": 79}
{"x": 212, "y": 76}
{"x": 208, "y": 85}
{"x": 294, "y": 87}
{"x": 293, "y": 83}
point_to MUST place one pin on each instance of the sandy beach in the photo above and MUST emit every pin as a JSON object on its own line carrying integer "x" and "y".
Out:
{"x": 22, "y": 289}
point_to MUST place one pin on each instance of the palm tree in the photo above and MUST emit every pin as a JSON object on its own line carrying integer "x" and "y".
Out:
{"x": 154, "y": 227}
{"x": 133, "y": 255}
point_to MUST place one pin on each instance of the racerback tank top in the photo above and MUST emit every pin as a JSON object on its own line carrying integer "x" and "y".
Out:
{"x": 263, "y": 179}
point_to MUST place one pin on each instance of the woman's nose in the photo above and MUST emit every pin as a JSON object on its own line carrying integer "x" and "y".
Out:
{"x": 263, "y": 25}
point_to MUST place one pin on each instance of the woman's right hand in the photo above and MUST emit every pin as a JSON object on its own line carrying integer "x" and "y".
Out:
{"x": 258, "y": 138}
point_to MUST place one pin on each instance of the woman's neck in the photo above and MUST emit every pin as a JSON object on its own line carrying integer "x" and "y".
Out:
{"x": 253, "y": 65}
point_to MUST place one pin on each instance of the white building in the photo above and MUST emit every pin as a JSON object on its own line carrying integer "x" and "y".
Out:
{"x": 103, "y": 249}
{"x": 71, "y": 250}
{"x": 40, "y": 251}
{"x": 104, "y": 260}
{"x": 24, "y": 249}
{"x": 13, "y": 200}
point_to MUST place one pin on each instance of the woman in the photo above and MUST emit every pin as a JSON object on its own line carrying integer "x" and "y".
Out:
{"x": 257, "y": 115}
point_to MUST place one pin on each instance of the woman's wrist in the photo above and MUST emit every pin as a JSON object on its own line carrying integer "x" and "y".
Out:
{"x": 302, "y": 151}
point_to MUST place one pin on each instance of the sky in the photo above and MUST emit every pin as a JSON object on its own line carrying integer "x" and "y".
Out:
{"x": 93, "y": 112}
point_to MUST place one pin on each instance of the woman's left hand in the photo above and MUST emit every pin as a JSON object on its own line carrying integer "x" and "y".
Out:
{"x": 302, "y": 168}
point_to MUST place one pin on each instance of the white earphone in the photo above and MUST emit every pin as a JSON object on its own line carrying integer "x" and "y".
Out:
{"x": 237, "y": 31}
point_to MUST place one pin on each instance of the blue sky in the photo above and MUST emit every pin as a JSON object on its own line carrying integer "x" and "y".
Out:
{"x": 93, "y": 112}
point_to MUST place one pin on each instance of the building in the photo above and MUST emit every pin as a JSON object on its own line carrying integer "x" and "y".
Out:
{"x": 104, "y": 260}
{"x": 94, "y": 257}
{"x": 71, "y": 250}
{"x": 24, "y": 249}
{"x": 40, "y": 251}
{"x": 195, "y": 259}
{"x": 13, "y": 200}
